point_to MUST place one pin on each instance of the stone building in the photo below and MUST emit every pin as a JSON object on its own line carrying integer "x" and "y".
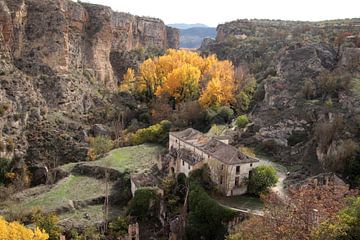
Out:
{"x": 229, "y": 167}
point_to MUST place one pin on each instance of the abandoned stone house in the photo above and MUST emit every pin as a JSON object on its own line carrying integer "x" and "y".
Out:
{"x": 191, "y": 149}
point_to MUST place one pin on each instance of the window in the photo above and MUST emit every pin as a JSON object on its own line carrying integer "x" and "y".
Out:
{"x": 237, "y": 169}
{"x": 250, "y": 164}
{"x": 189, "y": 167}
{"x": 236, "y": 181}
{"x": 183, "y": 162}
{"x": 222, "y": 166}
{"x": 221, "y": 180}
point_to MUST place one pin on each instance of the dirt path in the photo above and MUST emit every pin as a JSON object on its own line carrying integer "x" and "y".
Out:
{"x": 279, "y": 189}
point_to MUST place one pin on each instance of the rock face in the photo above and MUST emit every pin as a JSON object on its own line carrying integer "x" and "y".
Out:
{"x": 57, "y": 74}
{"x": 285, "y": 56}
{"x": 67, "y": 36}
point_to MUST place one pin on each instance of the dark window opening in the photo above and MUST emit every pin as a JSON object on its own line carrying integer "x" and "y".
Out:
{"x": 183, "y": 163}
{"x": 237, "y": 181}
{"x": 221, "y": 179}
{"x": 250, "y": 164}
{"x": 237, "y": 169}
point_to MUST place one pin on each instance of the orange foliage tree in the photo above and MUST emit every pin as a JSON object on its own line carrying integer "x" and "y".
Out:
{"x": 184, "y": 75}
{"x": 298, "y": 217}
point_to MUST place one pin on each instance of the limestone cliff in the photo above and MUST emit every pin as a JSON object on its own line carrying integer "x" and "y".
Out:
{"x": 284, "y": 57}
{"x": 67, "y": 36}
{"x": 57, "y": 76}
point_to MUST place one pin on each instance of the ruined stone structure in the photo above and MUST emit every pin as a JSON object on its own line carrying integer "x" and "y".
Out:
{"x": 229, "y": 167}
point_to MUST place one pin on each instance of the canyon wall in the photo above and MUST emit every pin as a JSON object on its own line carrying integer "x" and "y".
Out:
{"x": 67, "y": 36}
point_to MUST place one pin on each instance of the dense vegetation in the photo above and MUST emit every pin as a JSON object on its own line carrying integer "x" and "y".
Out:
{"x": 15, "y": 230}
{"x": 262, "y": 178}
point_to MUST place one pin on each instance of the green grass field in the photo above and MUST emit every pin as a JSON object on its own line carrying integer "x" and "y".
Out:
{"x": 75, "y": 188}
{"x": 135, "y": 158}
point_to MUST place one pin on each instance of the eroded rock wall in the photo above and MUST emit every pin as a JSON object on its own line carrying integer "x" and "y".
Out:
{"x": 66, "y": 36}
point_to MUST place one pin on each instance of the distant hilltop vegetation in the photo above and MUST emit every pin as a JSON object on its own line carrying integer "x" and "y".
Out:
{"x": 192, "y": 35}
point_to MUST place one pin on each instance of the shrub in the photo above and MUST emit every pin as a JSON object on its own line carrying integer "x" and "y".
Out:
{"x": 219, "y": 115}
{"x": 247, "y": 151}
{"x": 329, "y": 103}
{"x": 119, "y": 227}
{"x": 245, "y": 96}
{"x": 296, "y": 137}
{"x": 157, "y": 133}
{"x": 261, "y": 179}
{"x": 144, "y": 204}
{"x": 100, "y": 145}
{"x": 202, "y": 176}
{"x": 344, "y": 154}
{"x": 4, "y": 168}
{"x": 49, "y": 224}
{"x": 207, "y": 219}
{"x": 242, "y": 121}
{"x": 325, "y": 132}
{"x": 15, "y": 230}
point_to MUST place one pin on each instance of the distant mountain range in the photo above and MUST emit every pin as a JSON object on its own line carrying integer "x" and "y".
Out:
{"x": 187, "y": 26}
{"x": 192, "y": 35}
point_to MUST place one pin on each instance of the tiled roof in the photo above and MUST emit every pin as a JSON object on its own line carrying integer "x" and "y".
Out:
{"x": 214, "y": 147}
{"x": 188, "y": 156}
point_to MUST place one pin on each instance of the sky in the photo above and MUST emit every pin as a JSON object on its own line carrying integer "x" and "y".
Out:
{"x": 213, "y": 12}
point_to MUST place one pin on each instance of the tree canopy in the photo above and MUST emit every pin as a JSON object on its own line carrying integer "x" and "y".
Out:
{"x": 15, "y": 230}
{"x": 183, "y": 75}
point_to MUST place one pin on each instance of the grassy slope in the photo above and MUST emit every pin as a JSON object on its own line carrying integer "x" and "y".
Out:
{"x": 76, "y": 188}
{"x": 135, "y": 158}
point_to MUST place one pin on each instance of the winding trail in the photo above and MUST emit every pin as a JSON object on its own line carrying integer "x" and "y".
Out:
{"x": 279, "y": 189}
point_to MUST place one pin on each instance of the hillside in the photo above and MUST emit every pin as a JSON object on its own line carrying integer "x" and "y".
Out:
{"x": 109, "y": 131}
{"x": 286, "y": 59}
{"x": 193, "y": 37}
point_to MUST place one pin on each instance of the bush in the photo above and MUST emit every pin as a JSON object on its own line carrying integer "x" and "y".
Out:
{"x": 15, "y": 230}
{"x": 157, "y": 133}
{"x": 261, "y": 179}
{"x": 242, "y": 121}
{"x": 207, "y": 219}
{"x": 119, "y": 227}
{"x": 296, "y": 137}
{"x": 99, "y": 145}
{"x": 4, "y": 168}
{"x": 219, "y": 115}
{"x": 202, "y": 176}
{"x": 144, "y": 204}
{"x": 49, "y": 224}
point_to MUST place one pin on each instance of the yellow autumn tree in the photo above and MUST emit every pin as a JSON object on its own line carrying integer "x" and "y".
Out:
{"x": 221, "y": 86}
{"x": 182, "y": 83}
{"x": 129, "y": 81}
{"x": 184, "y": 75}
{"x": 17, "y": 231}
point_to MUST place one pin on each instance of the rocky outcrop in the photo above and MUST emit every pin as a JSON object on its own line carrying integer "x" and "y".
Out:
{"x": 67, "y": 36}
{"x": 56, "y": 71}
